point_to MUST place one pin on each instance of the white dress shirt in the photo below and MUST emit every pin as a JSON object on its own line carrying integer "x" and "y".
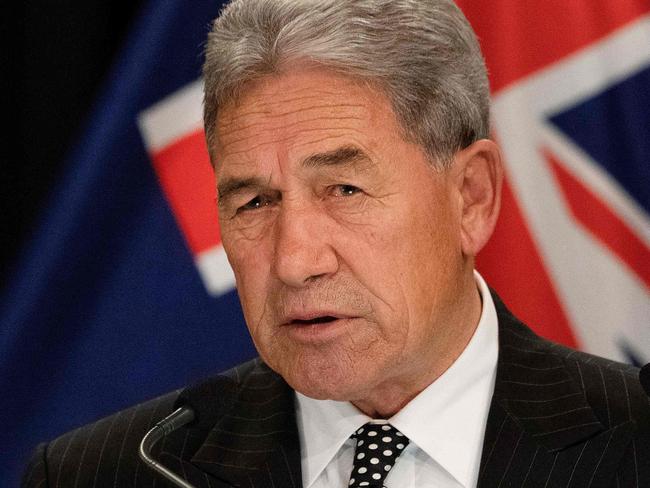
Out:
{"x": 445, "y": 422}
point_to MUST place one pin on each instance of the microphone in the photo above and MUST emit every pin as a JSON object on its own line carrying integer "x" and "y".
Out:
{"x": 197, "y": 406}
{"x": 644, "y": 378}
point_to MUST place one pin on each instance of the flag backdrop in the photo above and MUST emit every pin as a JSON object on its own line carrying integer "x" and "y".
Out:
{"x": 125, "y": 292}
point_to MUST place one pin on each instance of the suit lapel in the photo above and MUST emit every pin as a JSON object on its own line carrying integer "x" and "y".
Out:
{"x": 255, "y": 444}
{"x": 541, "y": 431}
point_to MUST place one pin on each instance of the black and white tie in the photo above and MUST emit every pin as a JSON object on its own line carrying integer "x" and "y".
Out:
{"x": 378, "y": 447}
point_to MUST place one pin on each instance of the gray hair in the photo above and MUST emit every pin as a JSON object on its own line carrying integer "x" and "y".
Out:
{"x": 422, "y": 54}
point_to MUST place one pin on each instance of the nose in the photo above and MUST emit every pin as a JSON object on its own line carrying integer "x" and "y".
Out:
{"x": 303, "y": 247}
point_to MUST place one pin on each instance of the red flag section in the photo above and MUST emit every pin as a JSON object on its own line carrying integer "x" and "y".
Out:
{"x": 187, "y": 179}
{"x": 519, "y": 37}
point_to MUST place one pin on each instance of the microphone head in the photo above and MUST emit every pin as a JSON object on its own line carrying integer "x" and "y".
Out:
{"x": 209, "y": 400}
{"x": 644, "y": 378}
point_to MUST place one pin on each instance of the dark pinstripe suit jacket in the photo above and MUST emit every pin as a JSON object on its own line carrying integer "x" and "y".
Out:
{"x": 559, "y": 418}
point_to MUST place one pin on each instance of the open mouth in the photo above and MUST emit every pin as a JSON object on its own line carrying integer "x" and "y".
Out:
{"x": 316, "y": 320}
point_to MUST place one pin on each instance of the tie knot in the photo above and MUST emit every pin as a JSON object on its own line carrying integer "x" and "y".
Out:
{"x": 378, "y": 447}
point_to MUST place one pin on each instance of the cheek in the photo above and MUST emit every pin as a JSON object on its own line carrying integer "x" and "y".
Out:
{"x": 377, "y": 261}
{"x": 424, "y": 250}
{"x": 244, "y": 243}
{"x": 250, "y": 264}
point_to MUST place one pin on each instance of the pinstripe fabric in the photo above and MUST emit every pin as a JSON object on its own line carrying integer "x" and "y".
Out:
{"x": 561, "y": 418}
{"x": 255, "y": 443}
{"x": 558, "y": 418}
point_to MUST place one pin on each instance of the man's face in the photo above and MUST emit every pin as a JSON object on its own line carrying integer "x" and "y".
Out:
{"x": 345, "y": 242}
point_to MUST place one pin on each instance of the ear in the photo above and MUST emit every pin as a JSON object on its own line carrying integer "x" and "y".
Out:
{"x": 478, "y": 174}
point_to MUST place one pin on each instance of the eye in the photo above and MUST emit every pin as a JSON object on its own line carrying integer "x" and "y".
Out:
{"x": 345, "y": 190}
{"x": 254, "y": 204}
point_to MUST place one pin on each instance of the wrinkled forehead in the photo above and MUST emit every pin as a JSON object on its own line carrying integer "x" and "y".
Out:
{"x": 284, "y": 107}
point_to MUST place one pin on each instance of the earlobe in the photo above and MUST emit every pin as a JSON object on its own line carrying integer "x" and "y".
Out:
{"x": 480, "y": 179}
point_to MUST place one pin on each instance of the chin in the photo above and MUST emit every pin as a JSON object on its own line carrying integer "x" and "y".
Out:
{"x": 324, "y": 381}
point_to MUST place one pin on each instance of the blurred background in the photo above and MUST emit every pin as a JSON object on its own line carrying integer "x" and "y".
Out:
{"x": 59, "y": 53}
{"x": 114, "y": 284}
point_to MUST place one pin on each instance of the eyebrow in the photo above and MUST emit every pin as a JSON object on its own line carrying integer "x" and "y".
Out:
{"x": 344, "y": 156}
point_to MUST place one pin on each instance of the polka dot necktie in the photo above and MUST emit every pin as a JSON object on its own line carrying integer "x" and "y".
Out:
{"x": 378, "y": 447}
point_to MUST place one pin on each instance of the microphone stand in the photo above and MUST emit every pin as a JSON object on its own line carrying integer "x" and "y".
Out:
{"x": 178, "y": 418}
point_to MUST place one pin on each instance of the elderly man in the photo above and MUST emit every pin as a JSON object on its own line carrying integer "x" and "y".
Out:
{"x": 356, "y": 184}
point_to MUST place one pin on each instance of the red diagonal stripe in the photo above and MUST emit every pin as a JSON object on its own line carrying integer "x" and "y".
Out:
{"x": 188, "y": 182}
{"x": 601, "y": 221}
{"x": 519, "y": 37}
{"x": 511, "y": 264}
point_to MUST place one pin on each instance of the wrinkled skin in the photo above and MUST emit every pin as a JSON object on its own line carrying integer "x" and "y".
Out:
{"x": 353, "y": 256}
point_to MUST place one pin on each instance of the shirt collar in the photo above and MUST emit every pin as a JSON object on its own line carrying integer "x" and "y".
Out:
{"x": 323, "y": 426}
{"x": 446, "y": 420}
